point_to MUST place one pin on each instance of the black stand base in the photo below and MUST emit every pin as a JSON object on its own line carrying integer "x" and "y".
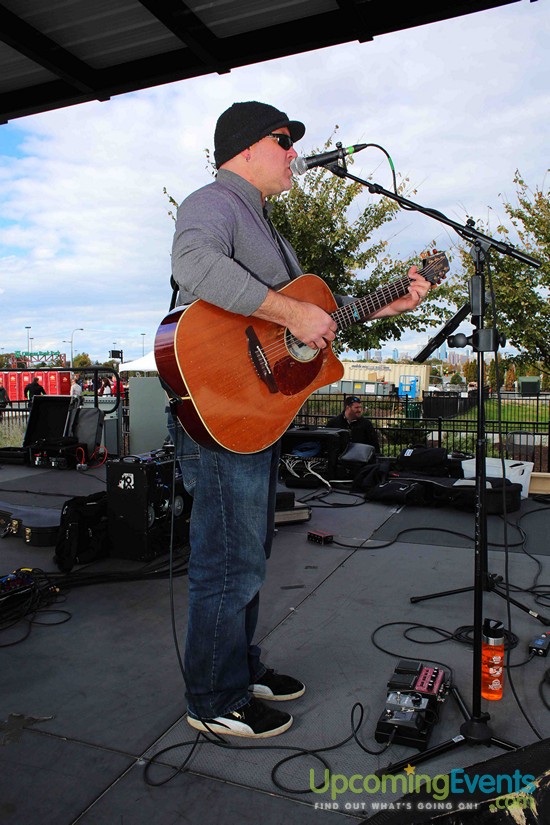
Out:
{"x": 491, "y": 580}
{"x": 474, "y": 731}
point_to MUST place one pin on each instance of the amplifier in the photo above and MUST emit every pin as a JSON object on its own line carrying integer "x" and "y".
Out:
{"x": 139, "y": 505}
{"x": 310, "y": 452}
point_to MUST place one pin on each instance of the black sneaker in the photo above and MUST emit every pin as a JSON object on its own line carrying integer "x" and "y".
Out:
{"x": 276, "y": 687}
{"x": 255, "y": 720}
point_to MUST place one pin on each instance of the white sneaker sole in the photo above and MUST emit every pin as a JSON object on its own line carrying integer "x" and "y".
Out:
{"x": 235, "y": 728}
{"x": 263, "y": 692}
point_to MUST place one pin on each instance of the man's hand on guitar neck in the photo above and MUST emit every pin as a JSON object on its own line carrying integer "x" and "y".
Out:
{"x": 315, "y": 327}
{"x": 307, "y": 322}
{"x": 418, "y": 290}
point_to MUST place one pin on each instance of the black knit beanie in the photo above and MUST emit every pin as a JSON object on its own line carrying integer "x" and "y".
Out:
{"x": 246, "y": 123}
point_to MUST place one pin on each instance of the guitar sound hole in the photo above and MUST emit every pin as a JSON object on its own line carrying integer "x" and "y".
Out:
{"x": 298, "y": 350}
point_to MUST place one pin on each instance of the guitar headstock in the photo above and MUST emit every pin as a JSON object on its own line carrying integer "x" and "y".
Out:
{"x": 435, "y": 266}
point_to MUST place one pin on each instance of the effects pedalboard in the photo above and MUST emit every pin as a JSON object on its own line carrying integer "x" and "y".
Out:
{"x": 415, "y": 694}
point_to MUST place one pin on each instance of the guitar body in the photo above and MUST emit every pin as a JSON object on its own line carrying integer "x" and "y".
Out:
{"x": 241, "y": 380}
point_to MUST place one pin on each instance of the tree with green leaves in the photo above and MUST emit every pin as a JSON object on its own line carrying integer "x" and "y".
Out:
{"x": 435, "y": 374}
{"x": 510, "y": 377}
{"x": 337, "y": 239}
{"x": 469, "y": 371}
{"x": 492, "y": 372}
{"x": 82, "y": 360}
{"x": 518, "y": 305}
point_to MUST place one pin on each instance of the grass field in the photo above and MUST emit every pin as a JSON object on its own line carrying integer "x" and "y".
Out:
{"x": 527, "y": 409}
{"x": 12, "y": 434}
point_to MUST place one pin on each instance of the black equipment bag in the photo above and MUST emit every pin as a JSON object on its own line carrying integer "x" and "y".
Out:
{"x": 371, "y": 475}
{"x": 457, "y": 493}
{"x": 83, "y": 535}
{"x": 355, "y": 457}
{"x": 427, "y": 476}
{"x": 398, "y": 491}
{"x": 431, "y": 461}
{"x": 461, "y": 494}
{"x": 14, "y": 455}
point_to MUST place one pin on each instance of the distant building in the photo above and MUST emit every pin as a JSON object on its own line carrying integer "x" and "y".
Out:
{"x": 457, "y": 359}
{"x": 374, "y": 378}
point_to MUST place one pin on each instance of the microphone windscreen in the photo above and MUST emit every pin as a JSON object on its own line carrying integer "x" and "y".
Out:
{"x": 298, "y": 166}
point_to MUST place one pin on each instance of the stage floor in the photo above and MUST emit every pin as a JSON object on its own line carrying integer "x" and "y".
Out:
{"x": 93, "y": 708}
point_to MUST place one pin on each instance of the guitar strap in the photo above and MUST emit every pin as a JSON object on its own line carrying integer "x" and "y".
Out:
{"x": 291, "y": 262}
{"x": 175, "y": 290}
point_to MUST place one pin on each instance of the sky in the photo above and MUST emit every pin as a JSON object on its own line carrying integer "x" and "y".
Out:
{"x": 85, "y": 230}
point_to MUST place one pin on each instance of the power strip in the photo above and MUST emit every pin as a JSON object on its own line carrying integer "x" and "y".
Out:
{"x": 318, "y": 537}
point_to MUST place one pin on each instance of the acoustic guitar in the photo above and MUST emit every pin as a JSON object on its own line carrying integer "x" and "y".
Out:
{"x": 239, "y": 381}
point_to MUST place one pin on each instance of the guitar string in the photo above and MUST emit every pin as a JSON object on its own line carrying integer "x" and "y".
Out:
{"x": 348, "y": 313}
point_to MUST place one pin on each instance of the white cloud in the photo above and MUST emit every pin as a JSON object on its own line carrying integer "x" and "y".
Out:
{"x": 85, "y": 234}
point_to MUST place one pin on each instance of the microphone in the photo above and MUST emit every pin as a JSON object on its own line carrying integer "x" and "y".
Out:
{"x": 298, "y": 166}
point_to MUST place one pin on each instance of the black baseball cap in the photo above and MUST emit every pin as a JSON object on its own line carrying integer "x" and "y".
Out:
{"x": 246, "y": 123}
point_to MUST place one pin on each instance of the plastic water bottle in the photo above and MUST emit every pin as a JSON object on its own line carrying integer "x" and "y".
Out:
{"x": 492, "y": 660}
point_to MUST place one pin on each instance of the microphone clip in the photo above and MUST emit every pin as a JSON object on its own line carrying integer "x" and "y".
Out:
{"x": 341, "y": 162}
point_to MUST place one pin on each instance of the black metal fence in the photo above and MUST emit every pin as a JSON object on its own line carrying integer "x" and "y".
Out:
{"x": 440, "y": 420}
{"x": 517, "y": 426}
{"x": 17, "y": 413}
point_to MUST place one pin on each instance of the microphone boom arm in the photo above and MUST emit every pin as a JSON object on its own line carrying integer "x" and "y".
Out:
{"x": 466, "y": 231}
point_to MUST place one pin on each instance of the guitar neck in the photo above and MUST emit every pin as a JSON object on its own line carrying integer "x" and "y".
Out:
{"x": 362, "y": 308}
{"x": 433, "y": 268}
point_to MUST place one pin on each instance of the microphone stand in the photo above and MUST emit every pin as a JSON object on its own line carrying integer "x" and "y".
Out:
{"x": 475, "y": 729}
{"x": 486, "y": 342}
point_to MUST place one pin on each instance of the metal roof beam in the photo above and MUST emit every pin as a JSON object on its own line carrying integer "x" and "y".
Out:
{"x": 371, "y": 14}
{"x": 181, "y": 21}
{"x": 45, "y": 52}
{"x": 360, "y": 16}
{"x": 270, "y": 42}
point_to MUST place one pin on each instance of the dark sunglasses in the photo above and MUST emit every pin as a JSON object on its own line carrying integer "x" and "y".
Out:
{"x": 284, "y": 141}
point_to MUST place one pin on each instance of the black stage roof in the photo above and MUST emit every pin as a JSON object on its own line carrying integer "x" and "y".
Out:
{"x": 64, "y": 52}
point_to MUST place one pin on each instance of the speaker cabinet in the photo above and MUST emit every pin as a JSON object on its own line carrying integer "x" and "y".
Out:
{"x": 139, "y": 506}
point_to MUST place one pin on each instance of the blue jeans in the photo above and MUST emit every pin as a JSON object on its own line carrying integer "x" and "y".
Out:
{"x": 231, "y": 532}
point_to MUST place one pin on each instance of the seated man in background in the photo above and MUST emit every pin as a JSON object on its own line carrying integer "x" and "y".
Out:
{"x": 351, "y": 418}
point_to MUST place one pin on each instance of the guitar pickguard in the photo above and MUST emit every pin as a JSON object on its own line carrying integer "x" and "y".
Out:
{"x": 293, "y": 376}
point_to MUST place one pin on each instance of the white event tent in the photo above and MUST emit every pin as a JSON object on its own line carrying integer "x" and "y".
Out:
{"x": 146, "y": 363}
